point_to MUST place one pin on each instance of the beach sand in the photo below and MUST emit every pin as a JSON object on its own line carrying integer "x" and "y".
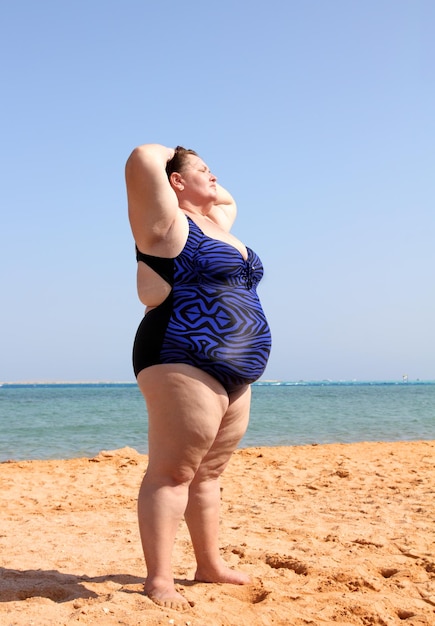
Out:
{"x": 330, "y": 534}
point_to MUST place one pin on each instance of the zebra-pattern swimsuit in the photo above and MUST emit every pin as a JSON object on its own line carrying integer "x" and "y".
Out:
{"x": 212, "y": 319}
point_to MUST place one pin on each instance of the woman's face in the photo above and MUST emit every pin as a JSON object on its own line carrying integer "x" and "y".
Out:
{"x": 198, "y": 182}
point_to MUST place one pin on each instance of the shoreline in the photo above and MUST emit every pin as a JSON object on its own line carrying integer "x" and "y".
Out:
{"x": 143, "y": 455}
{"x": 339, "y": 533}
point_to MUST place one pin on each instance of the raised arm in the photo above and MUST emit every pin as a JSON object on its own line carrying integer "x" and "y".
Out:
{"x": 152, "y": 203}
{"x": 224, "y": 210}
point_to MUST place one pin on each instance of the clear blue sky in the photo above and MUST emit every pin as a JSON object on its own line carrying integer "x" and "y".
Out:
{"x": 318, "y": 115}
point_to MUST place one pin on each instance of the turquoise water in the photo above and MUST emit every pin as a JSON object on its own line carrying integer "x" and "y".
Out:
{"x": 66, "y": 421}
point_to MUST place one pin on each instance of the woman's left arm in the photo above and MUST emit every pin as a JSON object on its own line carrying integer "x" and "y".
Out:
{"x": 224, "y": 210}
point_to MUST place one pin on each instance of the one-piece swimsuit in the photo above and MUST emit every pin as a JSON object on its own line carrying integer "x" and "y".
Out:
{"x": 212, "y": 319}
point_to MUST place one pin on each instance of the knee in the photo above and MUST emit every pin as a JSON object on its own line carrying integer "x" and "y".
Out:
{"x": 175, "y": 476}
{"x": 181, "y": 476}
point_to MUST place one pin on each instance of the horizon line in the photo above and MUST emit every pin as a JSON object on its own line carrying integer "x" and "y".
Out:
{"x": 403, "y": 379}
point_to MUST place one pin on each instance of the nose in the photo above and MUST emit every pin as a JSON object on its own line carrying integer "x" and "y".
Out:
{"x": 213, "y": 177}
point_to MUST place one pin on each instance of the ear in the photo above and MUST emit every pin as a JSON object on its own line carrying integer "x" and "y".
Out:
{"x": 176, "y": 181}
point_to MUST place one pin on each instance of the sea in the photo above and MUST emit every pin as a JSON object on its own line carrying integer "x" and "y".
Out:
{"x": 73, "y": 420}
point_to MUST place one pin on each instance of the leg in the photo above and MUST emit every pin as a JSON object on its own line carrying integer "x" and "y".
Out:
{"x": 185, "y": 410}
{"x": 202, "y": 513}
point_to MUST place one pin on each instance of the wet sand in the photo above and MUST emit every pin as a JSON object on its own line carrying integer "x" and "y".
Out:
{"x": 330, "y": 534}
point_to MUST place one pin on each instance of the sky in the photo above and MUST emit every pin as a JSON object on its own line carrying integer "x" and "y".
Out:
{"x": 317, "y": 115}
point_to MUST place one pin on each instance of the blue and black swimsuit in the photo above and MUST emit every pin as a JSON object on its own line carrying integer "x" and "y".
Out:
{"x": 212, "y": 319}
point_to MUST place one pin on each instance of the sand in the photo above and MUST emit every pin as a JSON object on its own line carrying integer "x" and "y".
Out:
{"x": 330, "y": 534}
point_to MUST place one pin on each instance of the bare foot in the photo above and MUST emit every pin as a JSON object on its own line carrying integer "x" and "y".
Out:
{"x": 168, "y": 598}
{"x": 222, "y": 574}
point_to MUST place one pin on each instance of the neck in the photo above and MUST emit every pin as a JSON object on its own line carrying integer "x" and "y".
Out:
{"x": 189, "y": 207}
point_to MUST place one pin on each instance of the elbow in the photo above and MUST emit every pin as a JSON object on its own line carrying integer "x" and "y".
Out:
{"x": 149, "y": 152}
{"x": 138, "y": 156}
{"x": 138, "y": 164}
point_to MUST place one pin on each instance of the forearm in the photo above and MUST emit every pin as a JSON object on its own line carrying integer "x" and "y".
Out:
{"x": 224, "y": 210}
{"x": 223, "y": 196}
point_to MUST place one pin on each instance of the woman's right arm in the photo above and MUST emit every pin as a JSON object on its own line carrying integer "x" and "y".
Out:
{"x": 152, "y": 203}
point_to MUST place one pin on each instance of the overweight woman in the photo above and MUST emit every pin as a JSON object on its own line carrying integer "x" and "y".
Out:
{"x": 203, "y": 340}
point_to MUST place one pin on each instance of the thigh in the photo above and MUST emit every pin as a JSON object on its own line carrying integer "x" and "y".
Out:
{"x": 185, "y": 410}
{"x": 231, "y": 430}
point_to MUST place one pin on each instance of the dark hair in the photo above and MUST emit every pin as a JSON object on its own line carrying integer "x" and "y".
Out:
{"x": 178, "y": 161}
